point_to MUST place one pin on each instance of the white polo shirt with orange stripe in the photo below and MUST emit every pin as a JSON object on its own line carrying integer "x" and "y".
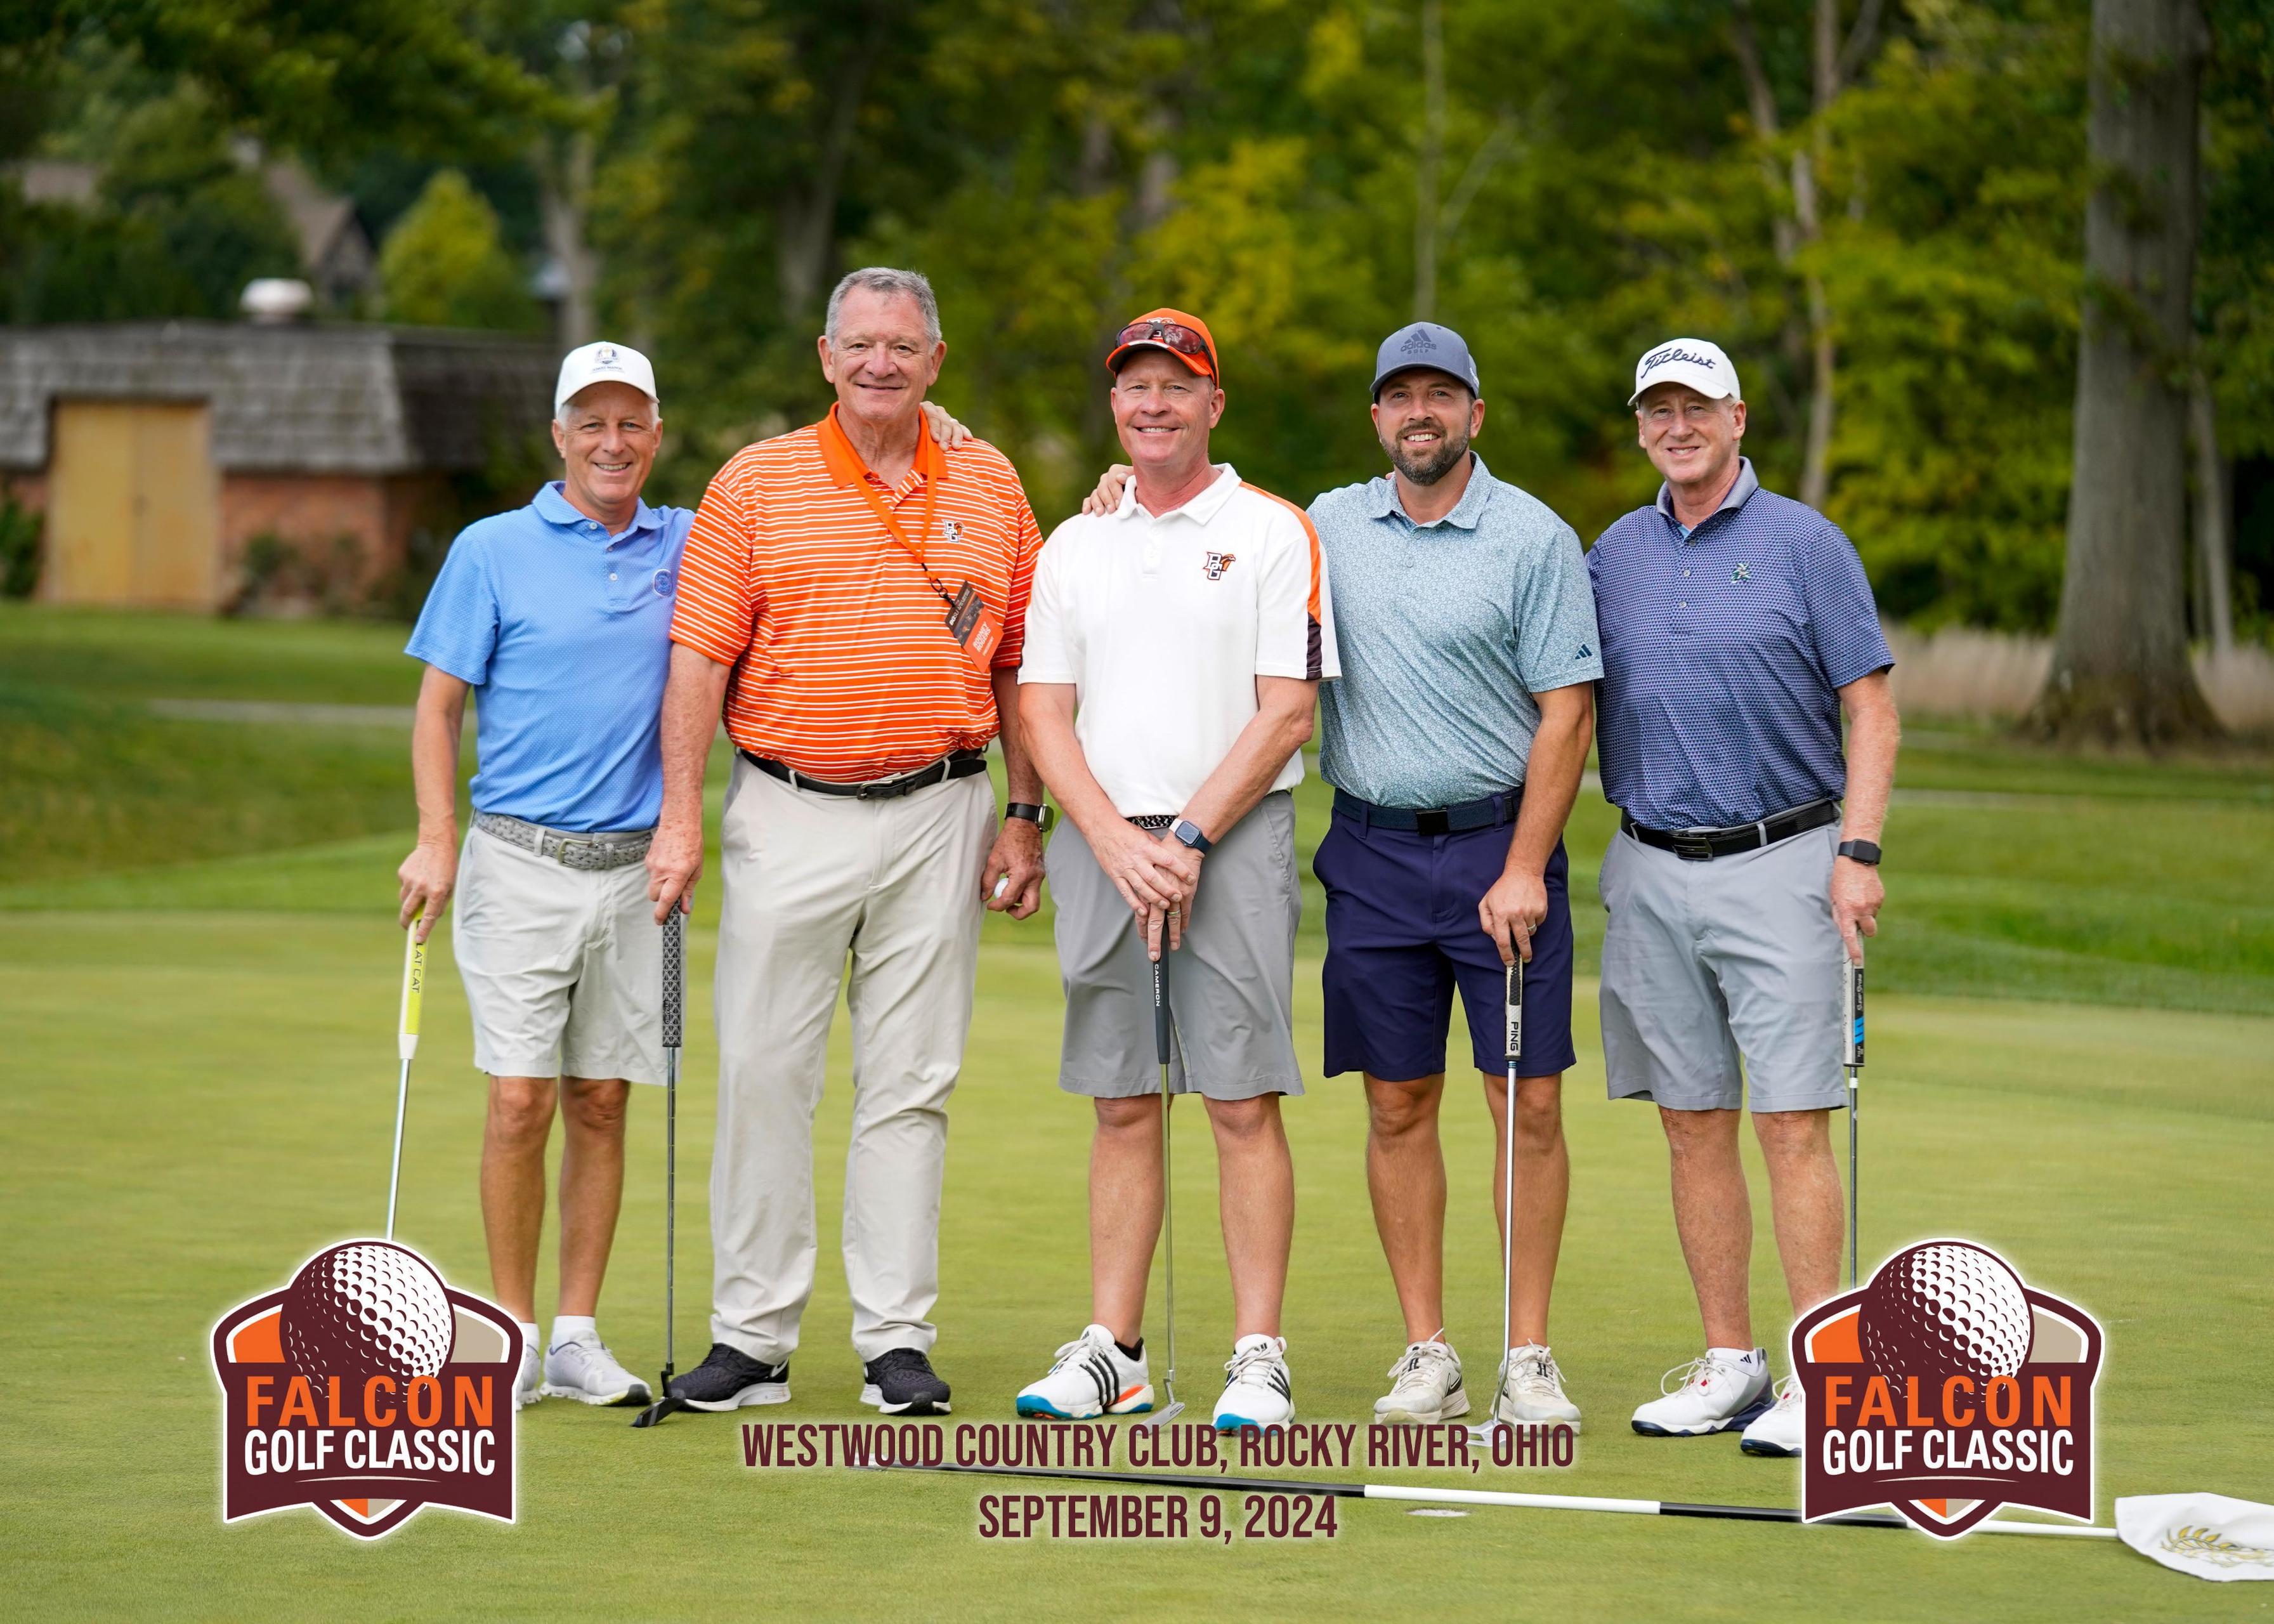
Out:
{"x": 1162, "y": 624}
{"x": 844, "y": 665}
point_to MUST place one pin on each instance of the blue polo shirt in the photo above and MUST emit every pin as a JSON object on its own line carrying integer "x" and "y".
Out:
{"x": 1446, "y": 631}
{"x": 1724, "y": 647}
{"x": 563, "y": 631}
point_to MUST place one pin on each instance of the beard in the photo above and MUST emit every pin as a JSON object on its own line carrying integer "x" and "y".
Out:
{"x": 1451, "y": 447}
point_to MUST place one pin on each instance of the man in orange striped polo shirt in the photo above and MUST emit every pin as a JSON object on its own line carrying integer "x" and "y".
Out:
{"x": 856, "y": 595}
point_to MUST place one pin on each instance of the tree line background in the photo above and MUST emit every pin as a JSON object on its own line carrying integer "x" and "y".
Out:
{"x": 1878, "y": 206}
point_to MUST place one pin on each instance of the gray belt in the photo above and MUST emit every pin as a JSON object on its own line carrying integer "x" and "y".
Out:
{"x": 588, "y": 851}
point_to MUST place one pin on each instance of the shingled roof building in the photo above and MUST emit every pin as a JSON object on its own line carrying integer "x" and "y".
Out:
{"x": 169, "y": 455}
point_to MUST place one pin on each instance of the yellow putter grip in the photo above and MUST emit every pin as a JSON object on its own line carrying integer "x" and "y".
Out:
{"x": 414, "y": 987}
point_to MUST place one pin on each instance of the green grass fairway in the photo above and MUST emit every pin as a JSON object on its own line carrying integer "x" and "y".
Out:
{"x": 2073, "y": 1059}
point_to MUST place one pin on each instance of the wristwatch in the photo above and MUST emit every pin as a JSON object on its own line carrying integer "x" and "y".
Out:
{"x": 1861, "y": 851}
{"x": 1185, "y": 830}
{"x": 1041, "y": 817}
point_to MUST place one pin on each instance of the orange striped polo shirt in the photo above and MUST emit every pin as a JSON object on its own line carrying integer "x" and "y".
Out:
{"x": 844, "y": 667}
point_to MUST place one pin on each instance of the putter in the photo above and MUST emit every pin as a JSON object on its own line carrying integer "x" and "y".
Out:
{"x": 1852, "y": 1044}
{"x": 675, "y": 1000}
{"x": 406, "y": 1044}
{"x": 1513, "y": 1004}
{"x": 1160, "y": 1031}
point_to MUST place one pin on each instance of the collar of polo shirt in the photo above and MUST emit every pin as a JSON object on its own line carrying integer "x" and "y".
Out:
{"x": 1741, "y": 491}
{"x": 554, "y": 507}
{"x": 1199, "y": 509}
{"x": 1467, "y": 514}
{"x": 843, "y": 460}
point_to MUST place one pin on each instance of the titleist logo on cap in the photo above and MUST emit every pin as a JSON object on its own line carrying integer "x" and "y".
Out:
{"x": 1675, "y": 352}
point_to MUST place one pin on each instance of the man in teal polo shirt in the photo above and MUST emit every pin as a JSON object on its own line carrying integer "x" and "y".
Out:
{"x": 557, "y": 617}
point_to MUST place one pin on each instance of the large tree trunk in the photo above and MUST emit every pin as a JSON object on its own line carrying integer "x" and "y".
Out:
{"x": 1428, "y": 160}
{"x": 2119, "y": 671}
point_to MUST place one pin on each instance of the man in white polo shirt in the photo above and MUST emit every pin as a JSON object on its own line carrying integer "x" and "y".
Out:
{"x": 1174, "y": 652}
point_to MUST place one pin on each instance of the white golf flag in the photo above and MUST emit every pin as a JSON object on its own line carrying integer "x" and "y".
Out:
{"x": 2207, "y": 1535}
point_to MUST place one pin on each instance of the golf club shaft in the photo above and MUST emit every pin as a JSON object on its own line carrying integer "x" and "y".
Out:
{"x": 1483, "y": 1497}
{"x": 406, "y": 1044}
{"x": 675, "y": 998}
{"x": 1514, "y": 1010}
{"x": 1161, "y": 1041}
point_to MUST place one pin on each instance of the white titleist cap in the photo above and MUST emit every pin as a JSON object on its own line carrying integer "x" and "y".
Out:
{"x": 605, "y": 363}
{"x": 1702, "y": 366}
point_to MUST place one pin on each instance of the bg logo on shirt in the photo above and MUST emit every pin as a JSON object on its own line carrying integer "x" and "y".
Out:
{"x": 366, "y": 1388}
{"x": 1947, "y": 1388}
{"x": 1215, "y": 564}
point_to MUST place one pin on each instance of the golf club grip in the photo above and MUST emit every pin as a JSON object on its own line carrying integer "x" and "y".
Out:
{"x": 1851, "y": 1013}
{"x": 414, "y": 990}
{"x": 1161, "y": 1005}
{"x": 1516, "y": 1011}
{"x": 675, "y": 977}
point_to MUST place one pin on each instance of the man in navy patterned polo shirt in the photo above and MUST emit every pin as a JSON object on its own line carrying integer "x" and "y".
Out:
{"x": 1738, "y": 632}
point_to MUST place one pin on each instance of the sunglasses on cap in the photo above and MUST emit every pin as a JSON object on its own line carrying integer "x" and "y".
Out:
{"x": 1169, "y": 334}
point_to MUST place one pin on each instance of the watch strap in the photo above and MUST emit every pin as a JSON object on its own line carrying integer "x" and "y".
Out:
{"x": 1861, "y": 850}
{"x": 1041, "y": 817}
{"x": 1191, "y": 834}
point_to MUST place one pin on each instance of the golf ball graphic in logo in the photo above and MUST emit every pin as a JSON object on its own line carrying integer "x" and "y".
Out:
{"x": 1945, "y": 1309}
{"x": 367, "y": 1308}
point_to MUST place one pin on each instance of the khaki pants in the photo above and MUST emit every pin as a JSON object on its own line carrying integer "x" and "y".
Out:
{"x": 809, "y": 879}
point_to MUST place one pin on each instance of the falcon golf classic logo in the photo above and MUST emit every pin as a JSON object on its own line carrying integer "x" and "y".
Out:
{"x": 1947, "y": 1388}
{"x": 367, "y": 1388}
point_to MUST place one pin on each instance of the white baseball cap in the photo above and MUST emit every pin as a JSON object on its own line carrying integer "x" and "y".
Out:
{"x": 1693, "y": 361}
{"x": 603, "y": 363}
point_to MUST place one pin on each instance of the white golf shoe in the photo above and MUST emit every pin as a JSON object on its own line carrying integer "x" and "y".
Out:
{"x": 1777, "y": 1431}
{"x": 1257, "y": 1390}
{"x": 1425, "y": 1386}
{"x": 528, "y": 1386}
{"x": 1091, "y": 1377}
{"x": 585, "y": 1371}
{"x": 1713, "y": 1393}
{"x": 1530, "y": 1390}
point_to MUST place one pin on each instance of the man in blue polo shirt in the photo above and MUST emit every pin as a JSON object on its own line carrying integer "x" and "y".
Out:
{"x": 1739, "y": 633}
{"x": 557, "y": 616}
{"x": 1455, "y": 740}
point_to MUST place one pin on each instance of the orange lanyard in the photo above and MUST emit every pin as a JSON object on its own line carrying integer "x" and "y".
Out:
{"x": 877, "y": 503}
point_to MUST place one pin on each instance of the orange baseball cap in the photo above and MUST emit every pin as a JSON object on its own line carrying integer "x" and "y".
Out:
{"x": 1183, "y": 336}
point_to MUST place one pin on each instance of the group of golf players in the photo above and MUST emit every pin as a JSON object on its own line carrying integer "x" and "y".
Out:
{"x": 868, "y": 604}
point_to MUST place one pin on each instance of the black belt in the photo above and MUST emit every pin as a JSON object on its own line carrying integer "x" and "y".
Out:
{"x": 1704, "y": 845}
{"x": 959, "y": 764}
{"x": 1489, "y": 813}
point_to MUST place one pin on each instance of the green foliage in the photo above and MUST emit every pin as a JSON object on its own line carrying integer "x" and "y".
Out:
{"x": 444, "y": 264}
{"x": 20, "y": 531}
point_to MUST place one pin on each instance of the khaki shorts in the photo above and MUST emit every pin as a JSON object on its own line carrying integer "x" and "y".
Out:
{"x": 1721, "y": 980}
{"x": 1231, "y": 985}
{"x": 563, "y": 967}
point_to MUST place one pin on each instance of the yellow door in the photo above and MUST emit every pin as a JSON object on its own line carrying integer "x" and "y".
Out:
{"x": 134, "y": 505}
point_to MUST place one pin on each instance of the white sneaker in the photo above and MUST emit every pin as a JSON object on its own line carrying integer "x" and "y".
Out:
{"x": 1257, "y": 1390}
{"x": 527, "y": 1386}
{"x": 1712, "y": 1393}
{"x": 1779, "y": 1430}
{"x": 1092, "y": 1377}
{"x": 585, "y": 1371}
{"x": 1425, "y": 1385}
{"x": 1530, "y": 1390}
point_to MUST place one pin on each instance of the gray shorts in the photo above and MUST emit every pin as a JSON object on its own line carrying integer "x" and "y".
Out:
{"x": 563, "y": 967}
{"x": 1705, "y": 962}
{"x": 1231, "y": 986}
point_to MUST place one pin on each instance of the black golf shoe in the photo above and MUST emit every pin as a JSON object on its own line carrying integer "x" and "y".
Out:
{"x": 728, "y": 1378}
{"x": 901, "y": 1381}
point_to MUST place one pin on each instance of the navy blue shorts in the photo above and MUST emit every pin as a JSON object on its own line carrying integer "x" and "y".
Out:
{"x": 1402, "y": 930}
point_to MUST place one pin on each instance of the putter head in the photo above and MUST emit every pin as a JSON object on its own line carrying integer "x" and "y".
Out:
{"x": 658, "y": 1410}
{"x": 1161, "y": 1417}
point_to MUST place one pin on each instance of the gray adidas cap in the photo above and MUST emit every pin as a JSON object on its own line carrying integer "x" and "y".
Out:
{"x": 1425, "y": 343}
